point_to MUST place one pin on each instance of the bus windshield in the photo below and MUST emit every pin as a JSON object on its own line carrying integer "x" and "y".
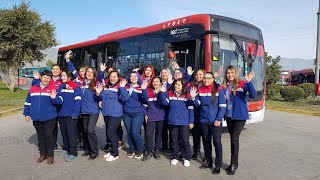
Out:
{"x": 230, "y": 55}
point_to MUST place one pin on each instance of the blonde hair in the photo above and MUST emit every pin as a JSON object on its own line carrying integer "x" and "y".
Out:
{"x": 165, "y": 69}
{"x": 203, "y": 71}
{"x": 236, "y": 81}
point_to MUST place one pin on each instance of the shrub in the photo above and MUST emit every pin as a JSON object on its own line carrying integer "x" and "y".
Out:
{"x": 272, "y": 90}
{"x": 292, "y": 93}
{"x": 308, "y": 89}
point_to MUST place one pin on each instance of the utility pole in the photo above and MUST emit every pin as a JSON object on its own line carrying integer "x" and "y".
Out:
{"x": 317, "y": 57}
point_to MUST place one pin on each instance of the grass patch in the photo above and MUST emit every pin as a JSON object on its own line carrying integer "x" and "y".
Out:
{"x": 11, "y": 100}
{"x": 302, "y": 106}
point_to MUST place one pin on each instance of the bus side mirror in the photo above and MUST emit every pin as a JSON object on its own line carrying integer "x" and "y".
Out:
{"x": 215, "y": 49}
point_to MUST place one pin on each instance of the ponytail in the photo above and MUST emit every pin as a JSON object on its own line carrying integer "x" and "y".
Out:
{"x": 214, "y": 91}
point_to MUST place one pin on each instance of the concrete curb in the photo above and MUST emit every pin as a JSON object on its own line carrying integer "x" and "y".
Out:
{"x": 4, "y": 113}
{"x": 293, "y": 111}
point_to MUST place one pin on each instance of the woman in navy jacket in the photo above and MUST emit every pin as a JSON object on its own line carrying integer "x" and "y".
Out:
{"x": 154, "y": 118}
{"x": 90, "y": 112}
{"x": 196, "y": 130}
{"x": 167, "y": 79}
{"x": 40, "y": 106}
{"x": 180, "y": 119}
{"x": 113, "y": 95}
{"x": 54, "y": 82}
{"x": 105, "y": 80}
{"x": 78, "y": 77}
{"x": 237, "y": 109}
{"x": 212, "y": 103}
{"x": 68, "y": 115}
{"x": 134, "y": 115}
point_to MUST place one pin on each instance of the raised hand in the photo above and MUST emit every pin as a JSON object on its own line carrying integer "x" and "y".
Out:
{"x": 36, "y": 75}
{"x": 250, "y": 76}
{"x": 53, "y": 94}
{"x": 144, "y": 85}
{"x": 163, "y": 88}
{"x": 103, "y": 67}
{"x": 146, "y": 119}
{"x": 175, "y": 65}
{"x": 189, "y": 70}
{"x": 27, "y": 118}
{"x": 193, "y": 92}
{"x": 99, "y": 89}
{"x": 123, "y": 83}
{"x": 68, "y": 55}
{"x": 135, "y": 70}
{"x": 170, "y": 79}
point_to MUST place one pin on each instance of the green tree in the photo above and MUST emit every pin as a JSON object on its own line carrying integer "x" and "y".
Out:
{"x": 50, "y": 63}
{"x": 22, "y": 35}
{"x": 273, "y": 69}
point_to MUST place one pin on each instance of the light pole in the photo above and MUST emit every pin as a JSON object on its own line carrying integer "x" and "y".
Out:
{"x": 185, "y": 57}
{"x": 317, "y": 57}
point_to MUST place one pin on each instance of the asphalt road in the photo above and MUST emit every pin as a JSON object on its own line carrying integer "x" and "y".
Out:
{"x": 283, "y": 146}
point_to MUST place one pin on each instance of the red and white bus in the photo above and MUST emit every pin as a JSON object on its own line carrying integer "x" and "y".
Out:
{"x": 203, "y": 41}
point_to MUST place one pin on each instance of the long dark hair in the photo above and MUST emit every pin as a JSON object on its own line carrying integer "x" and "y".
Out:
{"x": 156, "y": 77}
{"x": 109, "y": 83}
{"x": 184, "y": 85}
{"x": 214, "y": 88}
{"x": 68, "y": 73}
{"x": 93, "y": 82}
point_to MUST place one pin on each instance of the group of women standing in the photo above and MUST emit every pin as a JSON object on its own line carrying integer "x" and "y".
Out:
{"x": 169, "y": 102}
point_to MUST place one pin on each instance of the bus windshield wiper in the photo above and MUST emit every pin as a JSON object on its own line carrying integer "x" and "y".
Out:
{"x": 240, "y": 49}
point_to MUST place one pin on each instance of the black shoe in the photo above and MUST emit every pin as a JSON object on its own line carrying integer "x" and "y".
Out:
{"x": 216, "y": 170}
{"x": 92, "y": 157}
{"x": 156, "y": 155}
{"x": 147, "y": 156}
{"x": 204, "y": 159}
{"x": 206, "y": 165}
{"x": 107, "y": 148}
{"x": 56, "y": 149}
{"x": 181, "y": 158}
{"x": 231, "y": 170}
{"x": 196, "y": 156}
{"x": 86, "y": 153}
{"x": 79, "y": 148}
{"x": 228, "y": 168}
{"x": 120, "y": 145}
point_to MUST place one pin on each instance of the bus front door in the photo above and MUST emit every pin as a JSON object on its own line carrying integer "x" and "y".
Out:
{"x": 185, "y": 53}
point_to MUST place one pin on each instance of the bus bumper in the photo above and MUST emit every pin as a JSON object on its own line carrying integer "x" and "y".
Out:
{"x": 254, "y": 117}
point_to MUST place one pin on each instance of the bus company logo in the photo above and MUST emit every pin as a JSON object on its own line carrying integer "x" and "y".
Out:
{"x": 173, "y": 32}
{"x": 179, "y": 31}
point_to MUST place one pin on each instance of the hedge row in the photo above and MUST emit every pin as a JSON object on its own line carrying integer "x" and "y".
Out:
{"x": 290, "y": 93}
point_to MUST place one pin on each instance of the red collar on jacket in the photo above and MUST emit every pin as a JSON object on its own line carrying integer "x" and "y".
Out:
{"x": 172, "y": 94}
{"x": 72, "y": 85}
{"x": 208, "y": 89}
